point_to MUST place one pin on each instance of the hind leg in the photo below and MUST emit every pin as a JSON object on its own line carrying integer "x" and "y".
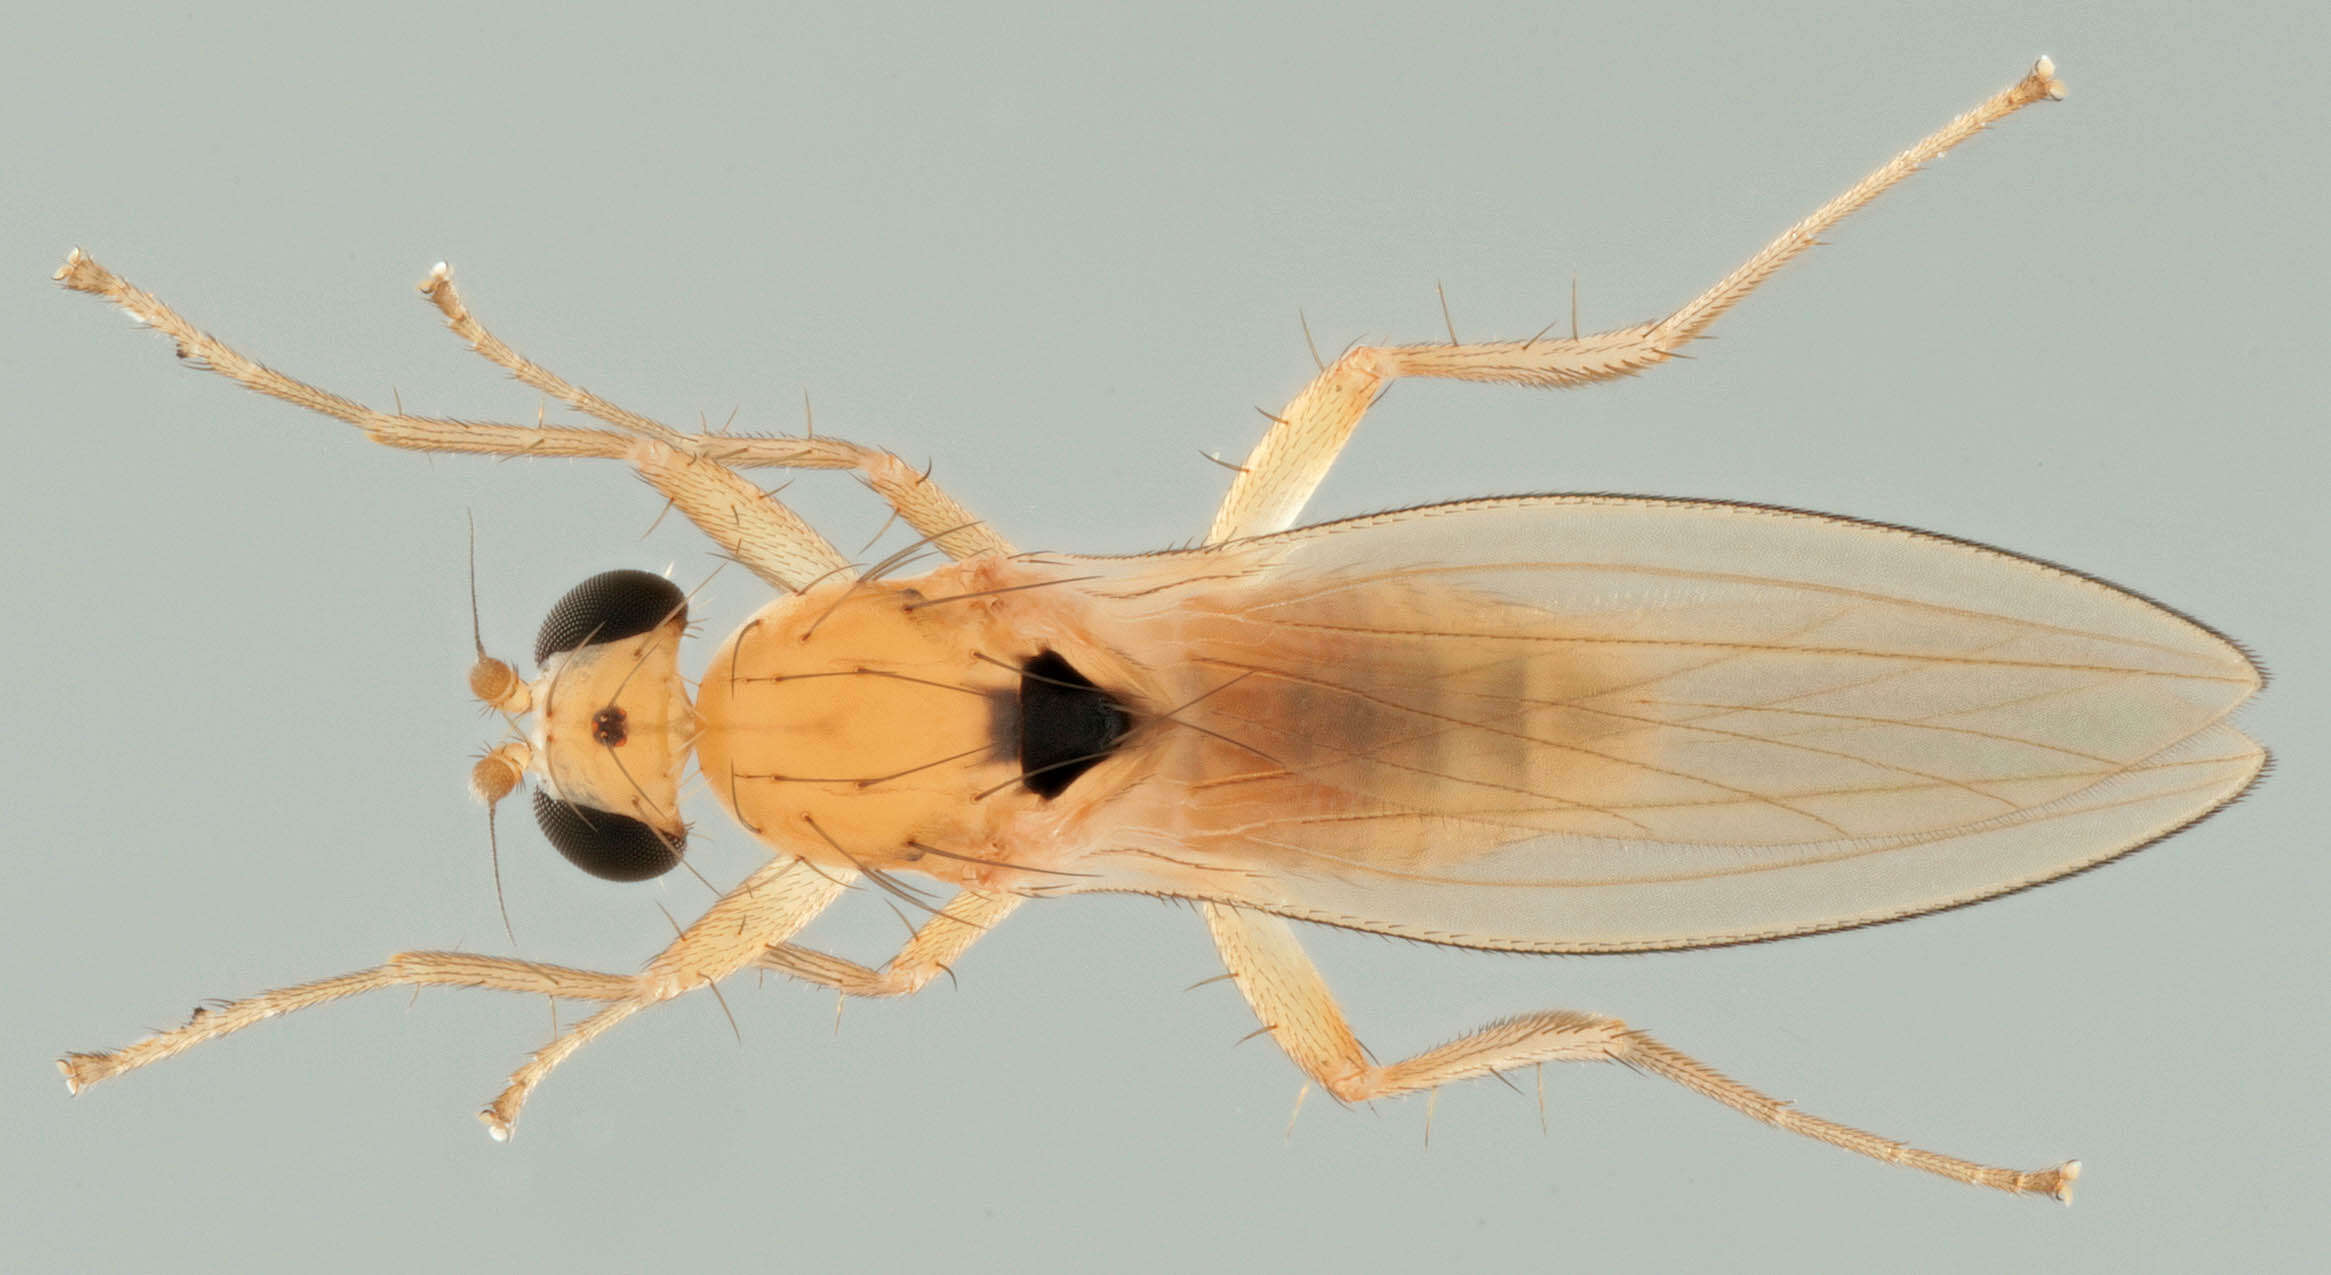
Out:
{"x": 1292, "y": 1000}
{"x": 1310, "y": 432}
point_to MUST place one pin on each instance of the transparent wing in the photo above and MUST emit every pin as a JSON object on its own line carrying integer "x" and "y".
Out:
{"x": 1608, "y": 723}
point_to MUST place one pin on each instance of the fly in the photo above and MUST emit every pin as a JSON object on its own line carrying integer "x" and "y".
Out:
{"x": 1545, "y": 724}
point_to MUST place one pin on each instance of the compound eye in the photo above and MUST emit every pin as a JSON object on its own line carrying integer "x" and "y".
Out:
{"x": 607, "y": 845}
{"x": 609, "y": 607}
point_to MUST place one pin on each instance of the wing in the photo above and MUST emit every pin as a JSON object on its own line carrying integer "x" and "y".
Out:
{"x": 1612, "y": 724}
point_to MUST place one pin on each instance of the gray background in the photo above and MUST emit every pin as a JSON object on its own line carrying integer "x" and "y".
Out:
{"x": 1061, "y": 254}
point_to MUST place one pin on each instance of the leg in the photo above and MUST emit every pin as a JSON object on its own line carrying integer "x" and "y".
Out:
{"x": 696, "y": 471}
{"x": 405, "y": 969}
{"x": 918, "y": 500}
{"x": 1293, "y": 1002}
{"x": 1281, "y": 472}
{"x": 768, "y": 908}
{"x": 933, "y": 948}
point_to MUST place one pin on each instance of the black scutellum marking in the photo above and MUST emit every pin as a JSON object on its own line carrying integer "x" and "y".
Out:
{"x": 1067, "y": 724}
{"x": 609, "y": 607}
{"x": 607, "y": 845}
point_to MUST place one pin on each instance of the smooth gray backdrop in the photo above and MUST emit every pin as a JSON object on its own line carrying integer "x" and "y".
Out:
{"x": 1061, "y": 253}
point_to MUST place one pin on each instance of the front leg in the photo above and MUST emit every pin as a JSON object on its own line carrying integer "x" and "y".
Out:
{"x": 768, "y": 908}
{"x": 697, "y": 472}
{"x": 932, "y": 950}
{"x": 917, "y": 500}
{"x": 1305, "y": 438}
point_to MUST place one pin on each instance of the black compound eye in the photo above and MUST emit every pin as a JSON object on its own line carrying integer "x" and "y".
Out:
{"x": 607, "y": 845}
{"x": 609, "y": 607}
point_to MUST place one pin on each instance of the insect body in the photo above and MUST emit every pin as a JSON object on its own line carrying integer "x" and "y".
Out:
{"x": 1548, "y": 724}
{"x": 1688, "y": 724}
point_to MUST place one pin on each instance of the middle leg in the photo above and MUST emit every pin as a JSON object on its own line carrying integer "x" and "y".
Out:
{"x": 933, "y": 949}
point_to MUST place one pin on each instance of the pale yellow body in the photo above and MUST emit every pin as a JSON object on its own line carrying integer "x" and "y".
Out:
{"x": 1556, "y": 724}
{"x": 852, "y": 723}
{"x": 861, "y": 725}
